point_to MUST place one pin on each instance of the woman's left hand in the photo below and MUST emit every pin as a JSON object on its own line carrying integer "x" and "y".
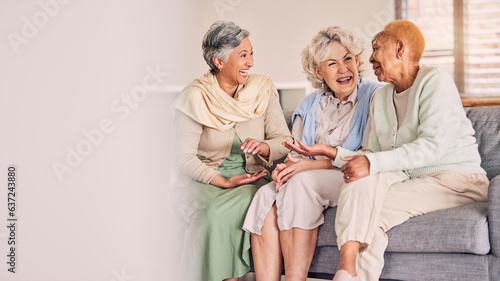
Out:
{"x": 357, "y": 167}
{"x": 253, "y": 146}
{"x": 312, "y": 150}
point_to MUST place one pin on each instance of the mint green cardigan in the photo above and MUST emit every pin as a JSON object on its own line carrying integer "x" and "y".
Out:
{"x": 435, "y": 134}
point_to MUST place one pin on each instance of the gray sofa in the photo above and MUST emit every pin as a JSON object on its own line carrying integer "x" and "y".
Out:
{"x": 456, "y": 244}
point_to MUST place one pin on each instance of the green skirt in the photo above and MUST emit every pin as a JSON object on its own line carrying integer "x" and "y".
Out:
{"x": 215, "y": 246}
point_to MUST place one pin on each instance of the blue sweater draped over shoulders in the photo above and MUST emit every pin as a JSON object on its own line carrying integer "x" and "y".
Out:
{"x": 307, "y": 111}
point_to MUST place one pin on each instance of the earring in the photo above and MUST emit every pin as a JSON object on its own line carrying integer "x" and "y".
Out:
{"x": 322, "y": 87}
{"x": 399, "y": 57}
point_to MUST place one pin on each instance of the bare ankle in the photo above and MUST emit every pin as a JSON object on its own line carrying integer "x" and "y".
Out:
{"x": 349, "y": 268}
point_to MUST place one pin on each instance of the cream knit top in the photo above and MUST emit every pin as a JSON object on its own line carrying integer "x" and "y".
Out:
{"x": 435, "y": 134}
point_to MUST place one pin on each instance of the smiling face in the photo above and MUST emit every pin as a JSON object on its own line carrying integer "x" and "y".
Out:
{"x": 234, "y": 71}
{"x": 384, "y": 58}
{"x": 339, "y": 71}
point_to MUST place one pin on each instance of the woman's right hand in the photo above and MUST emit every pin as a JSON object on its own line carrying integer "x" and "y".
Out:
{"x": 238, "y": 180}
{"x": 274, "y": 175}
{"x": 283, "y": 172}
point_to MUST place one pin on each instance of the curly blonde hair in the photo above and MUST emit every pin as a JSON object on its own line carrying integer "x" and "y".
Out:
{"x": 318, "y": 51}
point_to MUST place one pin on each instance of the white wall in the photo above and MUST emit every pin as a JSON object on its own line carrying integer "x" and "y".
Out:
{"x": 70, "y": 70}
{"x": 280, "y": 30}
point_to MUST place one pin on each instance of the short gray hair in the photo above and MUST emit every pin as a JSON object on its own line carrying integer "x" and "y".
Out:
{"x": 318, "y": 50}
{"x": 220, "y": 40}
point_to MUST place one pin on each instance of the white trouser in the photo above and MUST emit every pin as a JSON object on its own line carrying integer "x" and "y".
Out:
{"x": 370, "y": 206}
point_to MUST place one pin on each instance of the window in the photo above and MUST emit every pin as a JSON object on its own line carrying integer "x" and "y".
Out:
{"x": 463, "y": 37}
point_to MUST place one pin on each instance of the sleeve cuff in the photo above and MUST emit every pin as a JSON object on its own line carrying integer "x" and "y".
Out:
{"x": 342, "y": 152}
{"x": 373, "y": 163}
{"x": 208, "y": 178}
{"x": 266, "y": 159}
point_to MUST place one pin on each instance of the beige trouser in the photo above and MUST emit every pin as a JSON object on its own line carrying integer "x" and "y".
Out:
{"x": 369, "y": 207}
{"x": 300, "y": 202}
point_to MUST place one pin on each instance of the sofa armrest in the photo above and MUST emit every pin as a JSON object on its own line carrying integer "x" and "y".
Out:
{"x": 494, "y": 214}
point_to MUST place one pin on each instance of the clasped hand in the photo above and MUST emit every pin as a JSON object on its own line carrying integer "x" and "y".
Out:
{"x": 357, "y": 166}
{"x": 283, "y": 172}
{"x": 253, "y": 146}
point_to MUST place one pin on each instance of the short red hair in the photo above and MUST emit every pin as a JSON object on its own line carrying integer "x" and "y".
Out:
{"x": 409, "y": 33}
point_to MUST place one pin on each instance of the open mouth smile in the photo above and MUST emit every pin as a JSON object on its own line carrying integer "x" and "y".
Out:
{"x": 345, "y": 80}
{"x": 244, "y": 73}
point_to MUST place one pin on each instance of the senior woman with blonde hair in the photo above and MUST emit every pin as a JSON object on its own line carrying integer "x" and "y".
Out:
{"x": 229, "y": 125}
{"x": 284, "y": 216}
{"x": 421, "y": 156}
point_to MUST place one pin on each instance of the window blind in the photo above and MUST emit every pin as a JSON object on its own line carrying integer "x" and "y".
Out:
{"x": 481, "y": 40}
{"x": 482, "y": 47}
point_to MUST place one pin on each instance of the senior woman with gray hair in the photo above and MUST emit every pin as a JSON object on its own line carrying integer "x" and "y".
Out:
{"x": 285, "y": 215}
{"x": 229, "y": 125}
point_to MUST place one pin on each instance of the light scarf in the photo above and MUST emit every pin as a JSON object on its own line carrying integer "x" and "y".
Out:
{"x": 205, "y": 102}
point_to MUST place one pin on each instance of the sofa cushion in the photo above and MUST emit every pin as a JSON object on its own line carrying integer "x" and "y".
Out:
{"x": 288, "y": 118}
{"x": 486, "y": 123}
{"x": 462, "y": 229}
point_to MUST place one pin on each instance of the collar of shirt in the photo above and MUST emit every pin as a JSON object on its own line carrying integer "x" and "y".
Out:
{"x": 328, "y": 99}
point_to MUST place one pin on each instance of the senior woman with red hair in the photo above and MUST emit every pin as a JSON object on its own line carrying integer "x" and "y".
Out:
{"x": 421, "y": 155}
